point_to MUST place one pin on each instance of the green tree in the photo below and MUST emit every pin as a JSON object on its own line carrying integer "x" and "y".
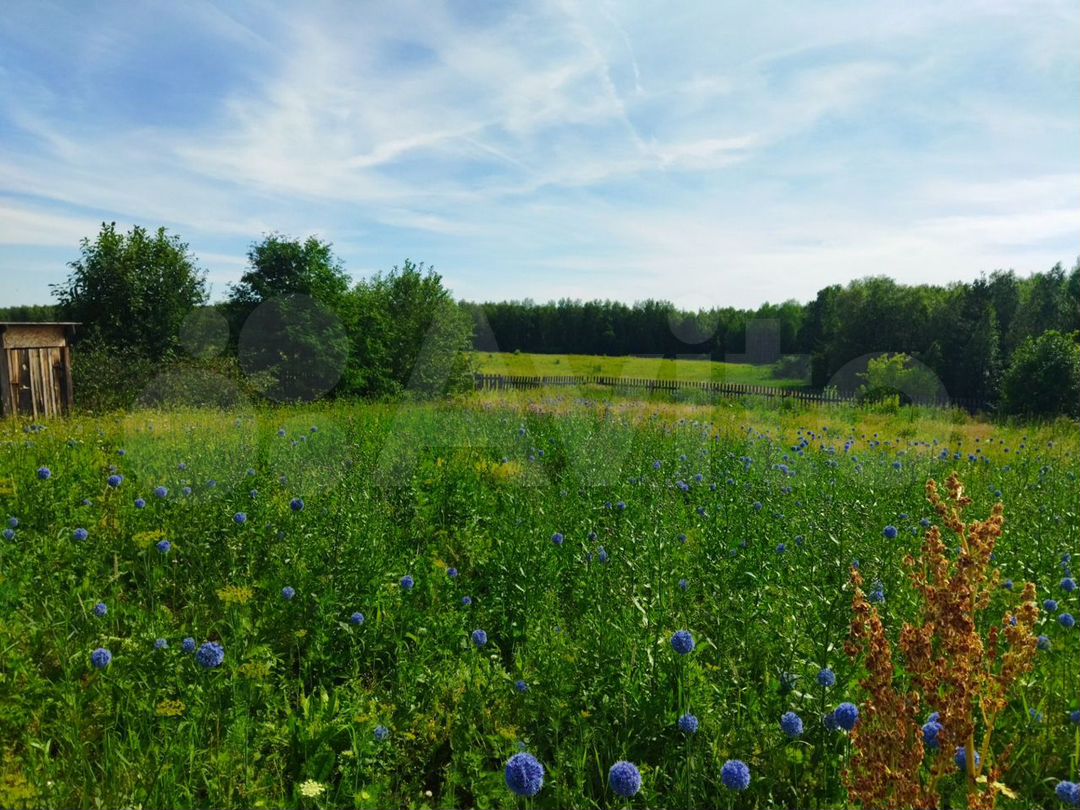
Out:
{"x": 1044, "y": 377}
{"x": 132, "y": 290}
{"x": 898, "y": 374}
{"x": 289, "y": 312}
{"x": 410, "y": 335}
{"x": 279, "y": 266}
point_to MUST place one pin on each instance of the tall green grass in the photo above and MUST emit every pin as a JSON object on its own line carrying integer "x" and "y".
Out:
{"x": 482, "y": 485}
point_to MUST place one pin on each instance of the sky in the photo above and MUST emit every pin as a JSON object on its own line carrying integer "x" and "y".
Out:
{"x": 703, "y": 152}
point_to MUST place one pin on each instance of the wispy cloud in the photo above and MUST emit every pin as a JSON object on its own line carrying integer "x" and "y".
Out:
{"x": 553, "y": 148}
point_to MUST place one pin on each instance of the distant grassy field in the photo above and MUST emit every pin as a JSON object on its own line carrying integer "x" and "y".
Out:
{"x": 654, "y": 368}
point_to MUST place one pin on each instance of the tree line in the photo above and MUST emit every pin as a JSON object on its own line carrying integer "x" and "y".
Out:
{"x": 296, "y": 327}
{"x": 967, "y": 334}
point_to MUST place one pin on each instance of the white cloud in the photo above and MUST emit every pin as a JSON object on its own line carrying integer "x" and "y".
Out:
{"x": 596, "y": 149}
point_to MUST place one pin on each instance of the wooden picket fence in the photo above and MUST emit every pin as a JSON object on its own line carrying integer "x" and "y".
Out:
{"x": 509, "y": 382}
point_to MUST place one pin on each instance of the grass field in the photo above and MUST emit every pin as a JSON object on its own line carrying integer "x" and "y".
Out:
{"x": 331, "y": 564}
{"x": 653, "y": 368}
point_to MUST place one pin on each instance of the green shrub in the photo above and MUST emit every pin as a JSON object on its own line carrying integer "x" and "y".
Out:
{"x": 1044, "y": 377}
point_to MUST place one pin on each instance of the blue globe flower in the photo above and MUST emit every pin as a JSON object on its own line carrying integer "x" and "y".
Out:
{"x": 1066, "y": 620}
{"x": 1008, "y": 585}
{"x": 161, "y": 644}
{"x": 164, "y": 546}
{"x": 101, "y": 609}
{"x": 780, "y": 549}
{"x": 288, "y": 592}
{"x": 297, "y": 504}
{"x": 682, "y": 642}
{"x": 115, "y": 480}
{"x": 1068, "y": 584}
{"x": 1050, "y": 606}
{"x": 140, "y": 503}
{"x": 161, "y": 492}
{"x": 890, "y": 532}
{"x": 735, "y": 775}
{"x": 188, "y": 645}
{"x": 521, "y": 686}
{"x": 624, "y": 779}
{"x": 44, "y": 473}
{"x": 688, "y": 724}
{"x": 602, "y": 555}
{"x": 524, "y": 774}
{"x": 466, "y": 601}
{"x": 1074, "y": 716}
{"x": 407, "y": 582}
{"x": 847, "y": 715}
{"x": 240, "y": 518}
{"x": 80, "y": 534}
{"x": 931, "y": 730}
{"x": 210, "y": 655}
{"x": 356, "y": 619}
{"x": 1068, "y": 792}
{"x": 381, "y": 733}
{"x": 791, "y": 724}
{"x": 683, "y": 584}
{"x": 13, "y": 522}
{"x": 186, "y": 491}
{"x": 101, "y": 658}
{"x": 826, "y": 678}
{"x": 557, "y": 538}
{"x": 1044, "y": 643}
{"x": 961, "y": 758}
{"x": 479, "y": 638}
{"x": 9, "y": 534}
{"x": 452, "y": 573}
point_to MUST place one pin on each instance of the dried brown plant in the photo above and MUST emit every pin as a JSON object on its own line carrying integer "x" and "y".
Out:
{"x": 948, "y": 666}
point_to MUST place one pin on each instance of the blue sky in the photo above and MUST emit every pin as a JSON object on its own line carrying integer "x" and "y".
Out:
{"x": 709, "y": 153}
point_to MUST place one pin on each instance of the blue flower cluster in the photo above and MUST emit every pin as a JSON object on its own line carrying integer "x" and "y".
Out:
{"x": 524, "y": 775}
{"x": 210, "y": 655}
{"x": 624, "y": 779}
{"x": 101, "y": 658}
{"x": 682, "y": 642}
{"x": 688, "y": 724}
{"x": 847, "y": 715}
{"x": 931, "y": 729}
{"x": 735, "y": 775}
{"x": 791, "y": 724}
{"x": 1068, "y": 792}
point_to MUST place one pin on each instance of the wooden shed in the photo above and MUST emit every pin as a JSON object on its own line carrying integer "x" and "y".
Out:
{"x": 35, "y": 370}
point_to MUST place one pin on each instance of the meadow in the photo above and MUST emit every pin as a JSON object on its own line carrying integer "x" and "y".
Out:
{"x": 651, "y": 368}
{"x": 369, "y": 605}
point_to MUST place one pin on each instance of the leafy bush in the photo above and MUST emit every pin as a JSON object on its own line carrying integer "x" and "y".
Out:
{"x": 1044, "y": 377}
{"x": 898, "y": 375}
